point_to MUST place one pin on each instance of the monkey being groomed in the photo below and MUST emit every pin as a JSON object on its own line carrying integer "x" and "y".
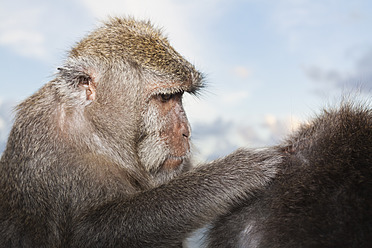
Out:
{"x": 99, "y": 156}
{"x": 322, "y": 196}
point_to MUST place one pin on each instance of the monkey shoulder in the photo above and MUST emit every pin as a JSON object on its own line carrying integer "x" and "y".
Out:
{"x": 336, "y": 137}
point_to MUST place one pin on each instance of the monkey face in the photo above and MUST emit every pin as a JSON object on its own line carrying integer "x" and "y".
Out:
{"x": 176, "y": 130}
{"x": 129, "y": 88}
{"x": 165, "y": 145}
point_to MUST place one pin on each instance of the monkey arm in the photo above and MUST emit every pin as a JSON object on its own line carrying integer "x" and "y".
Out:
{"x": 87, "y": 149}
{"x": 169, "y": 212}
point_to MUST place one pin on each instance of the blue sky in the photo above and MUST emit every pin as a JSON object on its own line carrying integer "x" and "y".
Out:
{"x": 270, "y": 64}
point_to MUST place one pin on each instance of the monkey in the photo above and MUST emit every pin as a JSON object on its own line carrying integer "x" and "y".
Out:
{"x": 100, "y": 155}
{"x": 321, "y": 196}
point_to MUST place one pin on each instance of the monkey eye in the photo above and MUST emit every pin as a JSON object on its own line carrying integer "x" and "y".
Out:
{"x": 166, "y": 97}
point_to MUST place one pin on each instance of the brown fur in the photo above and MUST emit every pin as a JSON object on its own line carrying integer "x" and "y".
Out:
{"x": 321, "y": 197}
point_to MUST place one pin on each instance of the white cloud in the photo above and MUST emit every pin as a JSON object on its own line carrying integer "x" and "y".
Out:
{"x": 19, "y": 31}
{"x": 298, "y": 21}
{"x": 316, "y": 28}
{"x": 242, "y": 72}
{"x": 221, "y": 137}
{"x": 200, "y": 110}
{"x": 359, "y": 77}
{"x": 234, "y": 98}
{"x": 280, "y": 127}
{"x": 27, "y": 43}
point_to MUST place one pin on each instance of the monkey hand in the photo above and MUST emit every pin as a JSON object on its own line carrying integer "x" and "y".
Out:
{"x": 247, "y": 171}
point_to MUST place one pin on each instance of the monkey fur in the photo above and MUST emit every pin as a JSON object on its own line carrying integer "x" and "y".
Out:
{"x": 322, "y": 195}
{"x": 100, "y": 155}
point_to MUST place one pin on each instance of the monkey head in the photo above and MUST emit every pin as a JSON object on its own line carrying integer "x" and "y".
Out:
{"x": 124, "y": 85}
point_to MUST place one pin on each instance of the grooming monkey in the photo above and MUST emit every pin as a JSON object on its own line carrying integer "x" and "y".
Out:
{"x": 100, "y": 155}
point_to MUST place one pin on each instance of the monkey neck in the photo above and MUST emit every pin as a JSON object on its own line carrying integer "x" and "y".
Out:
{"x": 33, "y": 132}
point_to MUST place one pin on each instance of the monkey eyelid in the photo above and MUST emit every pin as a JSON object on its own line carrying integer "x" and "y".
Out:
{"x": 167, "y": 91}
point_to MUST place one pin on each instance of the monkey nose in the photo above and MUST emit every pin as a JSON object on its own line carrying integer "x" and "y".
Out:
{"x": 185, "y": 131}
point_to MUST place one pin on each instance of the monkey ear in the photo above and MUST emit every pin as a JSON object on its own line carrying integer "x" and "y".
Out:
{"x": 90, "y": 89}
{"x": 80, "y": 80}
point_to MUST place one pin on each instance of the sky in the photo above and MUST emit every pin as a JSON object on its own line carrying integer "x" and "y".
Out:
{"x": 269, "y": 64}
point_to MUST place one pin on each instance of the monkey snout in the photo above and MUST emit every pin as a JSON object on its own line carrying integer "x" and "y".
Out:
{"x": 185, "y": 131}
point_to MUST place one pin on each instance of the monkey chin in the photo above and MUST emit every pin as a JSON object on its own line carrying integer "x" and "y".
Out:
{"x": 172, "y": 163}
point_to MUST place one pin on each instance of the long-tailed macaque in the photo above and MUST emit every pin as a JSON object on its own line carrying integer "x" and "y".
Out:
{"x": 100, "y": 155}
{"x": 322, "y": 195}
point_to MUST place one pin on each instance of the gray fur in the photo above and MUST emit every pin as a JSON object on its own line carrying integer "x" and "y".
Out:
{"x": 83, "y": 166}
